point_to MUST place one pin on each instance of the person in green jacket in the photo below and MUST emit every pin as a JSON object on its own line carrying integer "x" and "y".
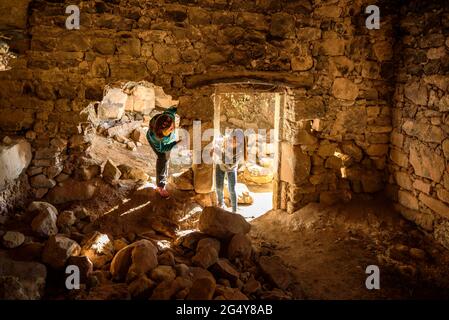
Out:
{"x": 161, "y": 137}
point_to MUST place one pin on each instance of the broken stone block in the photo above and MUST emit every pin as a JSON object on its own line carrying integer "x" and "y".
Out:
{"x": 282, "y": 25}
{"x": 166, "y": 258}
{"x": 111, "y": 172}
{"x": 252, "y": 286}
{"x": 416, "y": 92}
{"x": 131, "y": 173}
{"x": 222, "y": 224}
{"x": 436, "y": 205}
{"x": 58, "y": 249}
{"x": 134, "y": 260}
{"x": 141, "y": 287}
{"x": 295, "y": 165}
{"x": 13, "y": 239}
{"x": 44, "y": 223}
{"x": 41, "y": 181}
{"x": 203, "y": 177}
{"x": 228, "y": 293}
{"x": 182, "y": 181}
{"x": 29, "y": 279}
{"x": 72, "y": 190}
{"x": 424, "y": 132}
{"x": 205, "y": 257}
{"x": 224, "y": 269}
{"x": 139, "y": 135}
{"x": 202, "y": 289}
{"x": 239, "y": 247}
{"x": 98, "y": 248}
{"x": 113, "y": 105}
{"x": 275, "y": 271}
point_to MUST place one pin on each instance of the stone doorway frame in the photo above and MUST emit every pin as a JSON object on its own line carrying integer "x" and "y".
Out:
{"x": 281, "y": 96}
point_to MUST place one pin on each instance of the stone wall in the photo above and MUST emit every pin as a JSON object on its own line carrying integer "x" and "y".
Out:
{"x": 419, "y": 156}
{"x": 335, "y": 122}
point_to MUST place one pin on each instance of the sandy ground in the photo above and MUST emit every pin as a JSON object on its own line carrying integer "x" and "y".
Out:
{"x": 328, "y": 249}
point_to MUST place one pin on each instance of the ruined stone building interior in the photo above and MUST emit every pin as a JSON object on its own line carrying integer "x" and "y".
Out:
{"x": 347, "y": 102}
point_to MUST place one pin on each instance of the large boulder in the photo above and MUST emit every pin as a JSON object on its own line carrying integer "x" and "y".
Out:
{"x": 206, "y": 253}
{"x": 239, "y": 247}
{"x": 58, "y": 249}
{"x": 14, "y": 159}
{"x": 44, "y": 223}
{"x": 21, "y": 280}
{"x": 134, "y": 260}
{"x": 222, "y": 224}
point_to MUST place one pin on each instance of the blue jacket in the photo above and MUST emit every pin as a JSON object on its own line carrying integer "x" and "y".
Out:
{"x": 166, "y": 143}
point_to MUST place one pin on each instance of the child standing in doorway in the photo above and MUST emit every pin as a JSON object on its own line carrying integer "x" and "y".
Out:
{"x": 229, "y": 153}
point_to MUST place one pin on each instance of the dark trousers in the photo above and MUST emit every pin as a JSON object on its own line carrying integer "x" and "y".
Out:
{"x": 219, "y": 184}
{"x": 161, "y": 167}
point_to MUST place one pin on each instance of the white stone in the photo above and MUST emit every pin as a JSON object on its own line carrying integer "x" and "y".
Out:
{"x": 113, "y": 104}
{"x": 14, "y": 159}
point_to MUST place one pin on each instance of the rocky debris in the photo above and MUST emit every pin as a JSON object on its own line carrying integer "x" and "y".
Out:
{"x": 84, "y": 265}
{"x": 21, "y": 280}
{"x": 202, "y": 289}
{"x": 255, "y": 174}
{"x": 139, "y": 135}
{"x": 44, "y": 223}
{"x": 206, "y": 253}
{"x": 111, "y": 172}
{"x": 142, "y": 287}
{"x": 58, "y": 249}
{"x": 163, "y": 273}
{"x": 13, "y": 239}
{"x": 224, "y": 269}
{"x": 166, "y": 258}
{"x": 227, "y": 293}
{"x": 72, "y": 190}
{"x": 42, "y": 181}
{"x": 275, "y": 271}
{"x": 134, "y": 260}
{"x": 98, "y": 248}
{"x": 123, "y": 130}
{"x": 66, "y": 219}
{"x": 239, "y": 247}
{"x": 222, "y": 224}
{"x": 131, "y": 173}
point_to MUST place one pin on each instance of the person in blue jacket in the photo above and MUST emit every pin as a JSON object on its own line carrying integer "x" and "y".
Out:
{"x": 161, "y": 137}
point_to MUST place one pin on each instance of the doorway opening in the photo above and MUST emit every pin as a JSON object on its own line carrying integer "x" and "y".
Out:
{"x": 256, "y": 110}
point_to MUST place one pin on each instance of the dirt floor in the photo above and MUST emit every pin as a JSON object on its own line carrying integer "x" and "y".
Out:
{"x": 329, "y": 248}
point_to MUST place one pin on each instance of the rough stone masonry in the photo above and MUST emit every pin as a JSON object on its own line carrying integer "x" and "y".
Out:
{"x": 365, "y": 111}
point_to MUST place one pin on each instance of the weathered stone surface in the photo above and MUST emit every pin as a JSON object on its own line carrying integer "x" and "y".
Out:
{"x": 113, "y": 104}
{"x": 84, "y": 265}
{"x": 13, "y": 239}
{"x": 44, "y": 223}
{"x": 41, "y": 181}
{"x": 436, "y": 205}
{"x": 424, "y": 132}
{"x": 345, "y": 89}
{"x": 256, "y": 174}
{"x": 28, "y": 279}
{"x": 72, "y": 190}
{"x": 282, "y": 25}
{"x": 239, "y": 247}
{"x": 98, "y": 248}
{"x": 58, "y": 249}
{"x": 275, "y": 271}
{"x": 66, "y": 219}
{"x": 134, "y": 260}
{"x": 295, "y": 165}
{"x": 14, "y": 159}
{"x": 408, "y": 200}
{"x": 205, "y": 257}
{"x": 426, "y": 162}
{"x": 222, "y": 224}
{"x": 224, "y": 269}
{"x": 163, "y": 273}
{"x": 202, "y": 289}
{"x": 202, "y": 177}
{"x": 416, "y": 92}
{"x": 110, "y": 171}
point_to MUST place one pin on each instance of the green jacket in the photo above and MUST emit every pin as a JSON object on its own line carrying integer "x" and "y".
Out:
{"x": 166, "y": 143}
